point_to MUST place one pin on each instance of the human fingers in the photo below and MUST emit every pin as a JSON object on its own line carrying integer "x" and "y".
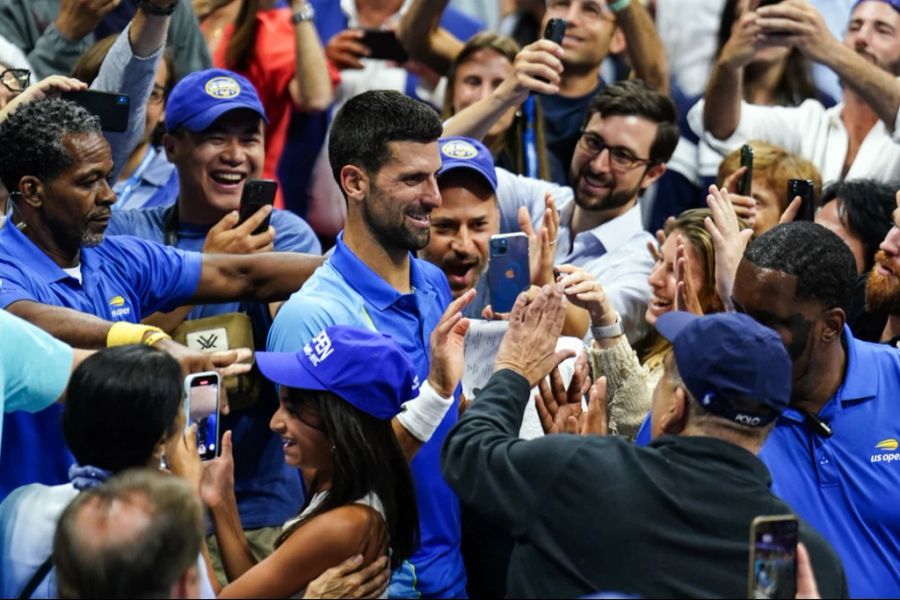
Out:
{"x": 732, "y": 181}
{"x": 790, "y": 213}
{"x": 545, "y": 405}
{"x": 806, "y": 579}
{"x": 597, "y": 419}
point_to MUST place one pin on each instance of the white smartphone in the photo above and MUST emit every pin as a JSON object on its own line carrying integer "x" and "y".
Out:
{"x": 201, "y": 406}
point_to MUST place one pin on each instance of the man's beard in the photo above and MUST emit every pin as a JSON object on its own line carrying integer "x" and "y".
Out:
{"x": 882, "y": 291}
{"x": 613, "y": 199}
{"x": 387, "y": 222}
{"x": 91, "y": 240}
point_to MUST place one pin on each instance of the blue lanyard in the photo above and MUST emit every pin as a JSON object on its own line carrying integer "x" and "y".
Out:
{"x": 531, "y": 159}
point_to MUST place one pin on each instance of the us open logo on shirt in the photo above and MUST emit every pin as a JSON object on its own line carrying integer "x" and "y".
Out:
{"x": 459, "y": 149}
{"x": 318, "y": 349}
{"x": 888, "y": 452}
{"x": 118, "y": 308}
{"x": 222, "y": 88}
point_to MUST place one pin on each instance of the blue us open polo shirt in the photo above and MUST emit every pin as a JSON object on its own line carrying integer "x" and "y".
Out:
{"x": 123, "y": 279}
{"x": 847, "y": 486}
{"x": 345, "y": 291}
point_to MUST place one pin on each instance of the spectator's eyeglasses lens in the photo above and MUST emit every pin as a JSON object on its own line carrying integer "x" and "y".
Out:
{"x": 16, "y": 80}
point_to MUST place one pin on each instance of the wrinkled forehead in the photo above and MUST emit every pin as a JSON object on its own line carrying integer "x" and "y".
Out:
{"x": 876, "y": 11}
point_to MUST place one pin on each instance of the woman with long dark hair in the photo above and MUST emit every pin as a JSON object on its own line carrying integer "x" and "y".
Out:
{"x": 337, "y": 399}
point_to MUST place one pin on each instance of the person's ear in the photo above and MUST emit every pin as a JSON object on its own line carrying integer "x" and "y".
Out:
{"x": 169, "y": 144}
{"x": 833, "y": 325}
{"x": 31, "y": 190}
{"x": 674, "y": 419}
{"x": 355, "y": 183}
{"x": 188, "y": 585}
{"x": 617, "y": 43}
{"x": 654, "y": 172}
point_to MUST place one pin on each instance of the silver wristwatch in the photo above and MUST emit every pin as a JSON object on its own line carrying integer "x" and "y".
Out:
{"x": 604, "y": 332}
{"x": 304, "y": 14}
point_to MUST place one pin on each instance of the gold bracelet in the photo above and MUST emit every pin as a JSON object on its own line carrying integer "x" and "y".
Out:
{"x": 122, "y": 333}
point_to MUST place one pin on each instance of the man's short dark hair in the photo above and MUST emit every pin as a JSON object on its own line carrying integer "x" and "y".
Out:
{"x": 120, "y": 402}
{"x": 822, "y": 263}
{"x": 366, "y": 124}
{"x": 31, "y": 139}
{"x": 865, "y": 208}
{"x": 635, "y": 98}
{"x": 129, "y": 560}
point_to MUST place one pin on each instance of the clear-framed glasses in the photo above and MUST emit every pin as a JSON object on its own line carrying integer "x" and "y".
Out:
{"x": 16, "y": 80}
{"x": 620, "y": 158}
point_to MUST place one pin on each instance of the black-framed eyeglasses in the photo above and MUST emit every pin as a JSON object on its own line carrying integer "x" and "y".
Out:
{"x": 15, "y": 80}
{"x": 620, "y": 158}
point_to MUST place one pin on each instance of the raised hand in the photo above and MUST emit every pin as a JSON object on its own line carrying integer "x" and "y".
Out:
{"x": 345, "y": 49}
{"x": 728, "y": 239}
{"x": 583, "y": 290}
{"x": 555, "y": 402}
{"x": 537, "y": 69}
{"x": 686, "y": 298}
{"x": 447, "y": 342}
{"x": 77, "y": 18}
{"x": 217, "y": 482}
{"x": 529, "y": 346}
{"x": 744, "y": 206}
{"x": 541, "y": 243}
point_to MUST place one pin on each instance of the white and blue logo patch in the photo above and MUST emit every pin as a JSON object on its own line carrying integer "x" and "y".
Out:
{"x": 318, "y": 349}
{"x": 222, "y": 88}
{"x": 459, "y": 149}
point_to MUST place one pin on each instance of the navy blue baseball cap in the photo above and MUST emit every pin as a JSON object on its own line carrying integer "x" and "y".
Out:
{"x": 202, "y": 97}
{"x": 894, "y": 3}
{"x": 734, "y": 367}
{"x": 459, "y": 152}
{"x": 365, "y": 368}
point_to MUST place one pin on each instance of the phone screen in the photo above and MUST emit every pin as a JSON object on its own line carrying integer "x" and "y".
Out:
{"x": 773, "y": 557}
{"x": 203, "y": 410}
{"x": 384, "y": 45}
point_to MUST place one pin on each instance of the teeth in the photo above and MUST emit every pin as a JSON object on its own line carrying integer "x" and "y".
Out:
{"x": 233, "y": 177}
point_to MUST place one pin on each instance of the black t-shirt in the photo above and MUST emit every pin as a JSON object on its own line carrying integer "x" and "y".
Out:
{"x": 563, "y": 118}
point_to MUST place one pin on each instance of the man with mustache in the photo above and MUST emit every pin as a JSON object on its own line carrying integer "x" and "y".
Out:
{"x": 854, "y": 139}
{"x": 882, "y": 290}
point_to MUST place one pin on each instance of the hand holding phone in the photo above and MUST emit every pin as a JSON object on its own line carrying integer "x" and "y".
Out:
{"x": 111, "y": 108}
{"x": 256, "y": 194}
{"x": 509, "y": 273}
{"x": 383, "y": 44}
{"x": 773, "y": 557}
{"x": 202, "y": 407}
{"x": 806, "y": 190}
{"x": 555, "y": 30}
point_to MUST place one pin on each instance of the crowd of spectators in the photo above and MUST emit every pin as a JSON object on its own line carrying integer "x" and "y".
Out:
{"x": 700, "y": 202}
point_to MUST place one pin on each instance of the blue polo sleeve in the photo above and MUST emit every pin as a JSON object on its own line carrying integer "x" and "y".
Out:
{"x": 34, "y": 366}
{"x": 163, "y": 277}
{"x": 298, "y": 321}
{"x": 14, "y": 283}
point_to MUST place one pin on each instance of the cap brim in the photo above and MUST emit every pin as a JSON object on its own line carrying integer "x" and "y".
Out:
{"x": 453, "y": 166}
{"x": 670, "y": 324}
{"x": 285, "y": 368}
{"x": 202, "y": 120}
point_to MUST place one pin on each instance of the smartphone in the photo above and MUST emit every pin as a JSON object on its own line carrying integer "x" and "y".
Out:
{"x": 509, "y": 273}
{"x": 384, "y": 45}
{"x": 112, "y": 108}
{"x": 256, "y": 194}
{"x": 555, "y": 30}
{"x": 201, "y": 406}
{"x": 767, "y": 3}
{"x": 746, "y": 186}
{"x": 803, "y": 188}
{"x": 773, "y": 557}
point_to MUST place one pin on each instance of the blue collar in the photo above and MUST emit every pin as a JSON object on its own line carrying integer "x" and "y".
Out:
{"x": 21, "y": 248}
{"x": 159, "y": 169}
{"x": 367, "y": 282}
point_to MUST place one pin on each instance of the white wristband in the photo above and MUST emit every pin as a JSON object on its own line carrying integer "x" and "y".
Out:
{"x": 422, "y": 415}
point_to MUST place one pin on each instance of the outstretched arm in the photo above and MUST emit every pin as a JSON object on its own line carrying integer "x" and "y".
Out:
{"x": 422, "y": 36}
{"x": 263, "y": 277}
{"x": 644, "y": 46}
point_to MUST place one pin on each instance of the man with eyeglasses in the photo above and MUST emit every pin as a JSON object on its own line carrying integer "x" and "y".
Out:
{"x": 627, "y": 136}
{"x": 14, "y": 83}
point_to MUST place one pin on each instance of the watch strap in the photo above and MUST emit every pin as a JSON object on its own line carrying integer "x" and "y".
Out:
{"x": 604, "y": 332}
{"x": 303, "y": 14}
